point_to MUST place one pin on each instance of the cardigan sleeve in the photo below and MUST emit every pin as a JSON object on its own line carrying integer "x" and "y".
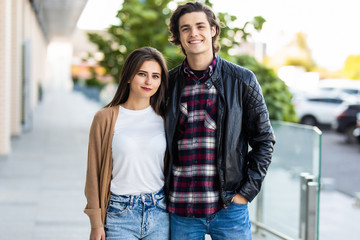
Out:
{"x": 92, "y": 189}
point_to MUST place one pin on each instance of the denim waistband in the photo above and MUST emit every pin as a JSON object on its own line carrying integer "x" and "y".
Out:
{"x": 145, "y": 197}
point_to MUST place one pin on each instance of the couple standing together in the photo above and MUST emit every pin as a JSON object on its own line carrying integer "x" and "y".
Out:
{"x": 170, "y": 159}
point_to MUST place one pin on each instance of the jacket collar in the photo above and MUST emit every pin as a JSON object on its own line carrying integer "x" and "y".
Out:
{"x": 217, "y": 78}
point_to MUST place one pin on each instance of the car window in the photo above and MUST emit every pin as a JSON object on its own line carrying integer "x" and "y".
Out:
{"x": 326, "y": 100}
{"x": 351, "y": 91}
{"x": 355, "y": 107}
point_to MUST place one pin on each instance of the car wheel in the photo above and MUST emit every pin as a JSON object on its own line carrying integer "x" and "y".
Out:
{"x": 349, "y": 135}
{"x": 309, "y": 120}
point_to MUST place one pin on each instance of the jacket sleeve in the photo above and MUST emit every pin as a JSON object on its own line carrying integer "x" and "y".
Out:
{"x": 261, "y": 138}
{"x": 92, "y": 190}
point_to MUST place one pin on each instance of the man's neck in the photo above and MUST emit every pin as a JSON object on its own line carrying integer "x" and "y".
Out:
{"x": 199, "y": 62}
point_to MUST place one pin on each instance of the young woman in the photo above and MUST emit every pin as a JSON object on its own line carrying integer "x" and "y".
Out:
{"x": 126, "y": 153}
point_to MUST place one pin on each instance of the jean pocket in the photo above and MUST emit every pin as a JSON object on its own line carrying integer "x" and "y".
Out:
{"x": 117, "y": 208}
{"x": 161, "y": 204}
{"x": 239, "y": 204}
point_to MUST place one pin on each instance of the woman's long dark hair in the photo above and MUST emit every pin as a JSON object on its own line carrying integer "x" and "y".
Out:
{"x": 131, "y": 66}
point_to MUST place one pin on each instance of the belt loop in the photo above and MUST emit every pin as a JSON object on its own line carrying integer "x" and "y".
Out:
{"x": 131, "y": 201}
{"x": 153, "y": 198}
{"x": 142, "y": 197}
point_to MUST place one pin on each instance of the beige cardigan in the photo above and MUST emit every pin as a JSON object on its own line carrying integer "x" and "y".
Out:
{"x": 99, "y": 168}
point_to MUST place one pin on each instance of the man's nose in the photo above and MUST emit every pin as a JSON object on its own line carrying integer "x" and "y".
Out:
{"x": 194, "y": 31}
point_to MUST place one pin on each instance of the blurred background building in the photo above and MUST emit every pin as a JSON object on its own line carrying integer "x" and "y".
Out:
{"x": 35, "y": 53}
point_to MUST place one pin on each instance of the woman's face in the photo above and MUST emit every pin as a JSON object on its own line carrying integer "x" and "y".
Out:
{"x": 146, "y": 81}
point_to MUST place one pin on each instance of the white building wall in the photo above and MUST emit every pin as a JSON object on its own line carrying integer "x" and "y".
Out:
{"x": 18, "y": 24}
{"x": 38, "y": 59}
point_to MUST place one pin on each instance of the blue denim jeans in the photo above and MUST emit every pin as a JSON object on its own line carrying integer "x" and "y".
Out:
{"x": 233, "y": 224}
{"x": 137, "y": 217}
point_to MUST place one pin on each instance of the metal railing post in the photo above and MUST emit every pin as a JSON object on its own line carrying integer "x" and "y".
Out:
{"x": 308, "y": 207}
{"x": 259, "y": 210}
{"x": 311, "y": 231}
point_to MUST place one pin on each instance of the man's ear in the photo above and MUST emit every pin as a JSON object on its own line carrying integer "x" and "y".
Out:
{"x": 213, "y": 31}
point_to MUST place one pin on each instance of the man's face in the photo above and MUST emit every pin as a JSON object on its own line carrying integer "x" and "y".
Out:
{"x": 196, "y": 34}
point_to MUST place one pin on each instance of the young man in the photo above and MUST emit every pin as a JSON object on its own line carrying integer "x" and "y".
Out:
{"x": 215, "y": 110}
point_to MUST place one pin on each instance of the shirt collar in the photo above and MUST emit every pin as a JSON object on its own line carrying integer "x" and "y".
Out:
{"x": 207, "y": 73}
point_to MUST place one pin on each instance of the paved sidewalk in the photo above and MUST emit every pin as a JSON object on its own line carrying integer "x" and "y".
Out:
{"x": 42, "y": 180}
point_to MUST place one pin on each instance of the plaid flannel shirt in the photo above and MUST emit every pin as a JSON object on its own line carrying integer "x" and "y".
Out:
{"x": 195, "y": 187}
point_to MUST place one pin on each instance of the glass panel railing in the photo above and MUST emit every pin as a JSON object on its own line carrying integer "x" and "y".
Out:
{"x": 297, "y": 150}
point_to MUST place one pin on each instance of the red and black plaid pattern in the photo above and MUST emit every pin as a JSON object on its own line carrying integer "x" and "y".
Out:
{"x": 195, "y": 187}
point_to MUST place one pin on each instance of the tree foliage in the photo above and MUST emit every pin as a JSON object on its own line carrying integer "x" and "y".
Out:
{"x": 142, "y": 23}
{"x": 303, "y": 57}
{"x": 352, "y": 67}
{"x": 276, "y": 93}
{"x": 145, "y": 23}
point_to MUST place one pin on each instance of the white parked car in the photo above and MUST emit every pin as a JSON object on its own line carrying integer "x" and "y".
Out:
{"x": 317, "y": 109}
{"x": 339, "y": 86}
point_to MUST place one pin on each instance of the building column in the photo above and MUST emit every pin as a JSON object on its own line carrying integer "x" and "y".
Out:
{"x": 5, "y": 79}
{"x": 16, "y": 66}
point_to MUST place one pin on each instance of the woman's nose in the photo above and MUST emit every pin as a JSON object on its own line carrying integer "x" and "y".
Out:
{"x": 148, "y": 80}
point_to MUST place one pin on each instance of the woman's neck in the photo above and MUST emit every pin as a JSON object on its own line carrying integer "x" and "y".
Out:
{"x": 135, "y": 105}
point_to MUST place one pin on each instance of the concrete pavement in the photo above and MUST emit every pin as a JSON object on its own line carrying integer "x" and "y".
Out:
{"x": 42, "y": 180}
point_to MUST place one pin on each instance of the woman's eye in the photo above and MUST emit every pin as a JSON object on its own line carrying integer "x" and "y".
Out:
{"x": 142, "y": 74}
{"x": 156, "y": 76}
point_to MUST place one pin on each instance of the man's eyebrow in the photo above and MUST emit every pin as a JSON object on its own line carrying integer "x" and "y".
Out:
{"x": 187, "y": 25}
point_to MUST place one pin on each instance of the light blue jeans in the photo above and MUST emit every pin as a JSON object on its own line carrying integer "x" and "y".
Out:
{"x": 137, "y": 217}
{"x": 233, "y": 224}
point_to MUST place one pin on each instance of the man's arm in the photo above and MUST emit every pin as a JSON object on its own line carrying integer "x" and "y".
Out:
{"x": 261, "y": 138}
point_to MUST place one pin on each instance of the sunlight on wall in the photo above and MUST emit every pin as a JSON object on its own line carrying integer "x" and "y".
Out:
{"x": 59, "y": 66}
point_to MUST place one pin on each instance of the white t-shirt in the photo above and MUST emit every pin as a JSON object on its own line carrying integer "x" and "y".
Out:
{"x": 138, "y": 150}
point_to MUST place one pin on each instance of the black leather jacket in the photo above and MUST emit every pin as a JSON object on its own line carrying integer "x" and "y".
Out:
{"x": 242, "y": 120}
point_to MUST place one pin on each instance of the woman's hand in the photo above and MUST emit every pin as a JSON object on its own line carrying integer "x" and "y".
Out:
{"x": 238, "y": 198}
{"x": 97, "y": 234}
